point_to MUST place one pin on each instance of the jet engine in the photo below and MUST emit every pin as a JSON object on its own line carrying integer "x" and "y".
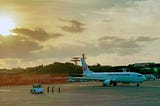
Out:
{"x": 106, "y": 82}
{"x": 109, "y": 82}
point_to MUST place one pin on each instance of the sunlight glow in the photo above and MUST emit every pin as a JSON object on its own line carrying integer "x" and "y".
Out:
{"x": 6, "y": 24}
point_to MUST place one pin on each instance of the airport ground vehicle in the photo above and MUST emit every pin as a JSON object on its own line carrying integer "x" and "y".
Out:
{"x": 150, "y": 77}
{"x": 36, "y": 89}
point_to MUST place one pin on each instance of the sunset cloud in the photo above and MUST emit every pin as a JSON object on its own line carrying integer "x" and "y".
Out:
{"x": 105, "y": 28}
{"x": 23, "y": 45}
{"x": 17, "y": 47}
{"x": 146, "y": 39}
{"x": 106, "y": 44}
{"x": 36, "y": 34}
{"x": 75, "y": 26}
{"x": 121, "y": 46}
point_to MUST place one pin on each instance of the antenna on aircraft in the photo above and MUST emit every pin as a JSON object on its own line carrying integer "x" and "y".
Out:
{"x": 75, "y": 60}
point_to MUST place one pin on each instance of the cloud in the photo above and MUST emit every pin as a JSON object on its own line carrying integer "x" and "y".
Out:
{"x": 116, "y": 42}
{"x": 25, "y": 43}
{"x": 143, "y": 38}
{"x": 108, "y": 38}
{"x": 121, "y": 46}
{"x": 36, "y": 34}
{"x": 75, "y": 26}
{"x": 26, "y": 50}
{"x": 104, "y": 45}
{"x": 17, "y": 47}
{"x": 107, "y": 20}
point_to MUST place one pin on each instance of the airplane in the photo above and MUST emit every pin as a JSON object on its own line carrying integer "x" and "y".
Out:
{"x": 112, "y": 78}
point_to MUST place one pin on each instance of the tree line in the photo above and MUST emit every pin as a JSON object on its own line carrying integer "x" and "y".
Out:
{"x": 76, "y": 70}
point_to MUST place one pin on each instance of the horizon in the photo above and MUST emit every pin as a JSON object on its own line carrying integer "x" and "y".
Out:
{"x": 79, "y": 64}
{"x": 113, "y": 32}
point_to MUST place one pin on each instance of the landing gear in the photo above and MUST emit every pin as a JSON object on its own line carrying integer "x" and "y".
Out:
{"x": 104, "y": 84}
{"x": 114, "y": 83}
{"x": 109, "y": 82}
{"x": 138, "y": 84}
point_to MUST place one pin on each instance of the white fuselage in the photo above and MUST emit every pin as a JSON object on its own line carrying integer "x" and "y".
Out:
{"x": 110, "y": 77}
{"x": 124, "y": 77}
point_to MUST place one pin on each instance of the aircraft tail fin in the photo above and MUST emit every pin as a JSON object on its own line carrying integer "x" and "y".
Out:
{"x": 85, "y": 67}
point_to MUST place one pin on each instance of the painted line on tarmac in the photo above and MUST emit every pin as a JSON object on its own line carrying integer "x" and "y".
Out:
{"x": 5, "y": 90}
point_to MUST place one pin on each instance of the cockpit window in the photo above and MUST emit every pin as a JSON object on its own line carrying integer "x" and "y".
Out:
{"x": 139, "y": 75}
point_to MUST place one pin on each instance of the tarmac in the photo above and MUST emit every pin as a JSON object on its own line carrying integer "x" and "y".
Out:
{"x": 83, "y": 94}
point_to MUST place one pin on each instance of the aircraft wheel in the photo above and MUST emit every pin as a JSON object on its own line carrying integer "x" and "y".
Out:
{"x": 114, "y": 83}
{"x": 104, "y": 85}
{"x": 111, "y": 82}
{"x": 138, "y": 84}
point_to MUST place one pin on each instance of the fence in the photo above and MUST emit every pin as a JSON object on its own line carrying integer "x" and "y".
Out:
{"x": 27, "y": 79}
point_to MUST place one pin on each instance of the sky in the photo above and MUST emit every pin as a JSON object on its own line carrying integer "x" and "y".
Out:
{"x": 109, "y": 32}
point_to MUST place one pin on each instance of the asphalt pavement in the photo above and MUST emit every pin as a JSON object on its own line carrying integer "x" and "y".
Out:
{"x": 83, "y": 94}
